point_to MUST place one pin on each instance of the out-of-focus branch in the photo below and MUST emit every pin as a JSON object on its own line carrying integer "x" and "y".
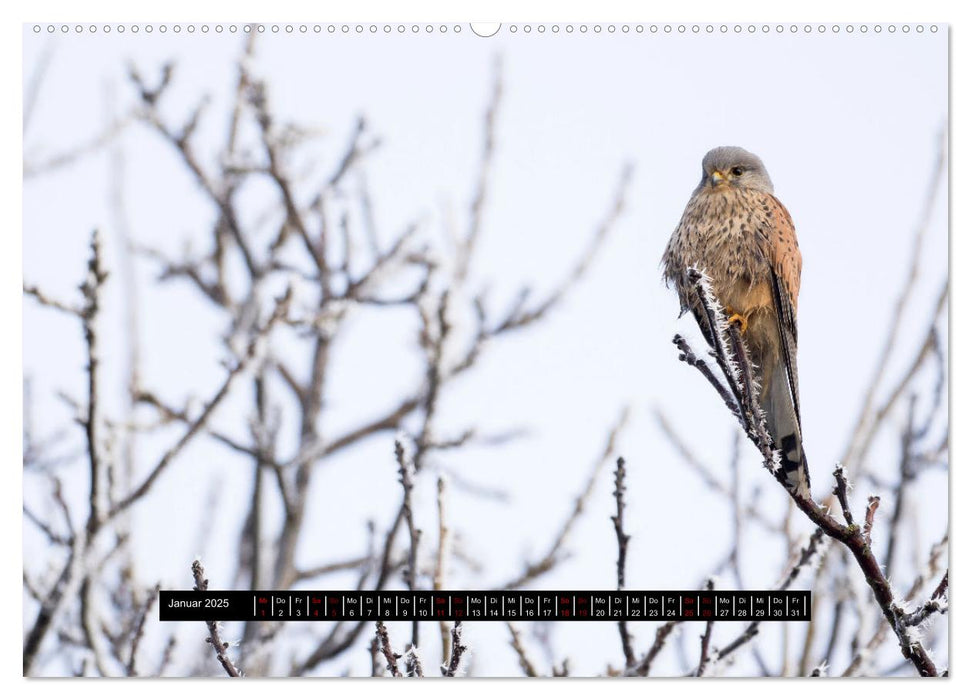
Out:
{"x": 325, "y": 569}
{"x": 181, "y": 141}
{"x": 805, "y": 557}
{"x": 926, "y": 351}
{"x": 705, "y": 655}
{"x": 520, "y": 316}
{"x": 528, "y": 667}
{"x": 554, "y": 554}
{"x": 92, "y": 290}
{"x": 139, "y": 492}
{"x": 414, "y": 534}
{"x": 57, "y": 161}
{"x": 868, "y": 421}
{"x": 469, "y": 240}
{"x": 43, "y": 299}
{"x": 660, "y": 639}
{"x": 438, "y": 578}
{"x": 34, "y": 83}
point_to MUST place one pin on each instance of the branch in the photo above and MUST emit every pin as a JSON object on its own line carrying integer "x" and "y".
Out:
{"x": 805, "y": 556}
{"x": 517, "y": 644}
{"x": 411, "y": 573}
{"x": 736, "y": 368}
{"x": 92, "y": 291}
{"x": 705, "y": 639}
{"x": 660, "y": 638}
{"x": 868, "y": 420}
{"x": 251, "y": 351}
{"x": 552, "y": 556}
{"x": 220, "y": 647}
{"x": 455, "y": 657}
{"x": 385, "y": 644}
{"x": 622, "y": 540}
{"x": 438, "y": 579}
{"x": 44, "y": 300}
{"x": 878, "y": 637}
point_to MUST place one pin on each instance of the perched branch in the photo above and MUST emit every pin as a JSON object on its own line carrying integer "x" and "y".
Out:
{"x": 736, "y": 367}
{"x": 878, "y": 637}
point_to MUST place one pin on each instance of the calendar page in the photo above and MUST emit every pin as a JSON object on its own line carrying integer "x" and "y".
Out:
{"x": 537, "y": 349}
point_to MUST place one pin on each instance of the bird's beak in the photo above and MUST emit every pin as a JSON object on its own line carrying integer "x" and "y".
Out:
{"x": 717, "y": 178}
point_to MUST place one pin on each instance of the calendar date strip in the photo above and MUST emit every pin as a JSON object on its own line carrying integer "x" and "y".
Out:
{"x": 244, "y": 606}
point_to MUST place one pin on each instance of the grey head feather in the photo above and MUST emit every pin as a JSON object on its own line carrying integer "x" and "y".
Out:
{"x": 726, "y": 159}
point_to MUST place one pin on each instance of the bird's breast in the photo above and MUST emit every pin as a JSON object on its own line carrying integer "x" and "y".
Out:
{"x": 725, "y": 233}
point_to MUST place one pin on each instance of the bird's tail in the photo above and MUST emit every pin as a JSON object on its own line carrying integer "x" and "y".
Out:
{"x": 782, "y": 418}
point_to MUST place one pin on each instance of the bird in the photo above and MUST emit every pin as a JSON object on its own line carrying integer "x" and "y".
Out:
{"x": 742, "y": 237}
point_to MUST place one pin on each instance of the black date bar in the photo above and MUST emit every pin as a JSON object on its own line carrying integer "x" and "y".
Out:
{"x": 523, "y": 606}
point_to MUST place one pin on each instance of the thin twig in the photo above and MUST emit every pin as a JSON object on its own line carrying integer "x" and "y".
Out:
{"x": 528, "y": 667}
{"x": 660, "y": 638}
{"x": 220, "y": 647}
{"x": 873, "y": 502}
{"x": 705, "y": 639}
{"x": 622, "y": 540}
{"x": 553, "y": 554}
{"x": 438, "y": 579}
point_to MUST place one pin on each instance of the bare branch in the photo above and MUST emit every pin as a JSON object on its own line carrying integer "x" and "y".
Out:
{"x": 705, "y": 640}
{"x": 517, "y": 644}
{"x": 220, "y": 647}
{"x": 44, "y": 300}
{"x": 736, "y": 366}
{"x": 414, "y": 534}
{"x": 457, "y": 650}
{"x": 385, "y": 645}
{"x": 139, "y": 492}
{"x": 867, "y": 419}
{"x": 553, "y": 554}
{"x": 660, "y": 639}
{"x": 622, "y": 540}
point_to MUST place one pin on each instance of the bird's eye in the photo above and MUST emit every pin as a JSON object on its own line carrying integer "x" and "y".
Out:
{"x": 737, "y": 170}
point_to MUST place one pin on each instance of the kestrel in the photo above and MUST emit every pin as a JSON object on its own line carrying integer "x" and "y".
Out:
{"x": 735, "y": 231}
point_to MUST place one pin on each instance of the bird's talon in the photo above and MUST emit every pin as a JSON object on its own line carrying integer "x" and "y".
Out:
{"x": 740, "y": 320}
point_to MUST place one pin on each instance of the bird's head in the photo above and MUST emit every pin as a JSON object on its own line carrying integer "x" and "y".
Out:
{"x": 731, "y": 166}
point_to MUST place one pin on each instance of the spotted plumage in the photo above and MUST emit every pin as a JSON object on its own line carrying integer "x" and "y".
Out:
{"x": 742, "y": 237}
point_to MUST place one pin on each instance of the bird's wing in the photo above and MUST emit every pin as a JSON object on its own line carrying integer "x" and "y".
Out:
{"x": 786, "y": 273}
